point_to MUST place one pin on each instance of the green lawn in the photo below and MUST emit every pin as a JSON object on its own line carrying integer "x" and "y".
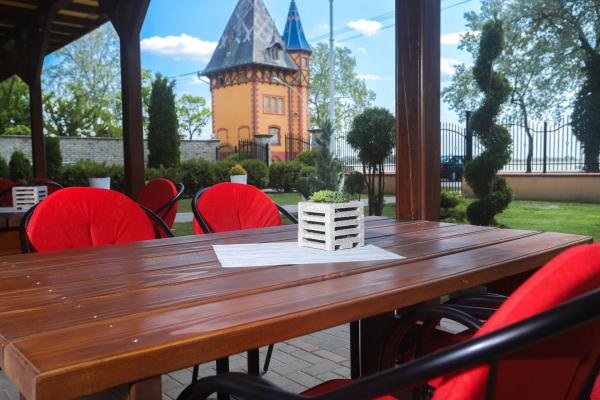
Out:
{"x": 578, "y": 218}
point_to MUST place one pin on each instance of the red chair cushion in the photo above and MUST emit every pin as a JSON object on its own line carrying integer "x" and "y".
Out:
{"x": 555, "y": 369}
{"x": 234, "y": 206}
{"x": 87, "y": 217}
{"x": 156, "y": 194}
{"x": 335, "y": 384}
{"x": 6, "y": 199}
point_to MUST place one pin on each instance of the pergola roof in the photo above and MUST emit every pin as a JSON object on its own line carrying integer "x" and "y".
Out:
{"x": 72, "y": 19}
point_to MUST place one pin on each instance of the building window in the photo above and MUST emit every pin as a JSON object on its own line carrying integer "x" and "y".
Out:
{"x": 275, "y": 52}
{"x": 275, "y": 131}
{"x": 304, "y": 62}
{"x": 274, "y": 105}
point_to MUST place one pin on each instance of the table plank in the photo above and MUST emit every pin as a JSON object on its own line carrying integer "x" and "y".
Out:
{"x": 46, "y": 365}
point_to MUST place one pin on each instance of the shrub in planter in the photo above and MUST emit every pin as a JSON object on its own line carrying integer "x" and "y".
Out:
{"x": 283, "y": 175}
{"x": 19, "y": 167}
{"x": 4, "y": 169}
{"x": 238, "y": 174}
{"x": 54, "y": 158}
{"x": 197, "y": 174}
{"x": 78, "y": 174}
{"x": 258, "y": 173}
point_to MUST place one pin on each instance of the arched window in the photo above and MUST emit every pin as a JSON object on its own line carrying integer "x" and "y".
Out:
{"x": 276, "y": 132}
{"x": 223, "y": 136}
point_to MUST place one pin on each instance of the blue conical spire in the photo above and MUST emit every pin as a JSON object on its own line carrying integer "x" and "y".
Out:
{"x": 293, "y": 35}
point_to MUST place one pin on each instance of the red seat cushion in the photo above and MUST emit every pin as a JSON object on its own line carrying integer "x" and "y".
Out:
{"x": 6, "y": 198}
{"x": 555, "y": 369}
{"x": 335, "y": 384}
{"x": 156, "y": 194}
{"x": 87, "y": 217}
{"x": 234, "y": 206}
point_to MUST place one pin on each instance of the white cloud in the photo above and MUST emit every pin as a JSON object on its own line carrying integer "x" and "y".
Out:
{"x": 447, "y": 66}
{"x": 453, "y": 38}
{"x": 361, "y": 50}
{"x": 372, "y": 77}
{"x": 324, "y": 27}
{"x": 182, "y": 46}
{"x": 365, "y": 26}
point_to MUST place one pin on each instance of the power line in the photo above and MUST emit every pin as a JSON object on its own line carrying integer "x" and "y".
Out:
{"x": 457, "y": 4}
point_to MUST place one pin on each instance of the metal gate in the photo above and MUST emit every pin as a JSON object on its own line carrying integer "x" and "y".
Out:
{"x": 456, "y": 143}
{"x": 294, "y": 146}
{"x": 253, "y": 149}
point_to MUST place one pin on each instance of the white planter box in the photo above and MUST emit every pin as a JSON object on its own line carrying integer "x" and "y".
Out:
{"x": 100, "y": 183}
{"x": 331, "y": 226}
{"x": 239, "y": 179}
{"x": 25, "y": 197}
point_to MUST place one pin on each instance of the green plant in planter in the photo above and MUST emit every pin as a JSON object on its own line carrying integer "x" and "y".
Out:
{"x": 328, "y": 196}
{"x": 237, "y": 169}
{"x": 493, "y": 194}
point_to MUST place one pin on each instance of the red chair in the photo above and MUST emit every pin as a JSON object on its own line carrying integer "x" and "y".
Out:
{"x": 542, "y": 343}
{"x": 6, "y": 192}
{"x": 52, "y": 185}
{"x": 162, "y": 196}
{"x": 86, "y": 217}
{"x": 233, "y": 207}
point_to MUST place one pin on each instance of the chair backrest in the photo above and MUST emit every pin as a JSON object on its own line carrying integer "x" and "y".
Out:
{"x": 6, "y": 192}
{"x": 85, "y": 217}
{"x": 559, "y": 368}
{"x": 52, "y": 185}
{"x": 233, "y": 206}
{"x": 162, "y": 196}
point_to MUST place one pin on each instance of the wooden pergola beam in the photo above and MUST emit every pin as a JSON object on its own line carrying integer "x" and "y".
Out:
{"x": 418, "y": 109}
{"x": 127, "y": 17}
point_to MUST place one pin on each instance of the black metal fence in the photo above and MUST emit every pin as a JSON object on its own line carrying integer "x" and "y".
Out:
{"x": 253, "y": 149}
{"x": 294, "y": 146}
{"x": 345, "y": 153}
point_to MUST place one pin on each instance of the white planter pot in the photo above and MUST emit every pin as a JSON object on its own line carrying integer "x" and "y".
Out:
{"x": 331, "y": 227}
{"x": 100, "y": 183}
{"x": 239, "y": 179}
{"x": 25, "y": 197}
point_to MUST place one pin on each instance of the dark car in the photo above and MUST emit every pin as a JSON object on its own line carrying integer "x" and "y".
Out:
{"x": 452, "y": 168}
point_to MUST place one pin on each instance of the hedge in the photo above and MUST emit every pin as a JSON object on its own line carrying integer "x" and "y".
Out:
{"x": 283, "y": 175}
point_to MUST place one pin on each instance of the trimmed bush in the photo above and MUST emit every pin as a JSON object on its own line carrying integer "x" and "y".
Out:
{"x": 308, "y": 158}
{"x": 4, "y": 169}
{"x": 308, "y": 182}
{"x": 174, "y": 174}
{"x": 198, "y": 174}
{"x": 19, "y": 167}
{"x": 54, "y": 158}
{"x": 283, "y": 175}
{"x": 258, "y": 173}
{"x": 449, "y": 200}
{"x": 163, "y": 126}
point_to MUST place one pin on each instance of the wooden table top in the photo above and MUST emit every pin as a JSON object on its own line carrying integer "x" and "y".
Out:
{"x": 10, "y": 220}
{"x": 81, "y": 321}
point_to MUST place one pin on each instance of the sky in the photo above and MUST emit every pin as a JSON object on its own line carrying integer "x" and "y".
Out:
{"x": 179, "y": 37}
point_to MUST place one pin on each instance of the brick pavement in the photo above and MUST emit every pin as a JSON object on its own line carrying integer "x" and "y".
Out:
{"x": 296, "y": 365}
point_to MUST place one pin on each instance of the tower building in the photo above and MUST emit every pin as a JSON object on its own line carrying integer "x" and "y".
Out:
{"x": 259, "y": 80}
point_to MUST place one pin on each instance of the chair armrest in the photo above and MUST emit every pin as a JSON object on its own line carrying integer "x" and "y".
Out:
{"x": 489, "y": 300}
{"x": 449, "y": 312}
{"x": 243, "y": 386}
{"x": 286, "y": 213}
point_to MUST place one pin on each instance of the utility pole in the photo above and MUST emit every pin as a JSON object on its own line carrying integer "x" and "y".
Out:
{"x": 331, "y": 76}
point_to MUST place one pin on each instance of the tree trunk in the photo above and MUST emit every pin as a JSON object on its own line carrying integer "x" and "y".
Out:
{"x": 523, "y": 107}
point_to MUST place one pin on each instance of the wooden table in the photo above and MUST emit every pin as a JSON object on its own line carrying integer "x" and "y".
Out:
{"x": 78, "y": 322}
{"x": 9, "y": 233}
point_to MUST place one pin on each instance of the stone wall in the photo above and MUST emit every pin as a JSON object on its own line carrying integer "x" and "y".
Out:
{"x": 107, "y": 150}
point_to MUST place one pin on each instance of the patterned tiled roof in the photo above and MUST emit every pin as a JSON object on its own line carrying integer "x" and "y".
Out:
{"x": 248, "y": 39}
{"x": 293, "y": 36}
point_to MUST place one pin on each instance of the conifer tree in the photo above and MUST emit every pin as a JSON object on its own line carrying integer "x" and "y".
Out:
{"x": 163, "y": 127}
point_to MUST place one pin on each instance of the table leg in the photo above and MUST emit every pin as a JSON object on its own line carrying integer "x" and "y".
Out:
{"x": 148, "y": 389}
{"x": 254, "y": 362}
{"x": 222, "y": 368}
{"x": 374, "y": 332}
{"x": 355, "y": 349}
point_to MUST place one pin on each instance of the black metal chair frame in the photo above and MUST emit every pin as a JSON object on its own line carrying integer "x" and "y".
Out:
{"x": 487, "y": 349}
{"x": 26, "y": 246}
{"x": 167, "y": 206}
{"x": 253, "y": 355}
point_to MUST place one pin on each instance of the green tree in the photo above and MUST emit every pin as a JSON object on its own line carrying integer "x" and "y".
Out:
{"x": 329, "y": 169}
{"x": 193, "y": 114}
{"x": 4, "y": 168}
{"x": 575, "y": 27}
{"x": 14, "y": 104}
{"x": 163, "y": 135}
{"x": 493, "y": 194}
{"x": 352, "y": 94}
{"x": 83, "y": 87}
{"x": 373, "y": 135}
{"x": 54, "y": 158}
{"x": 19, "y": 167}
{"x": 541, "y": 79}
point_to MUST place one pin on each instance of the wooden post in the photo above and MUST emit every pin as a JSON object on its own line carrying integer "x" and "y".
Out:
{"x": 127, "y": 17}
{"x": 418, "y": 109}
